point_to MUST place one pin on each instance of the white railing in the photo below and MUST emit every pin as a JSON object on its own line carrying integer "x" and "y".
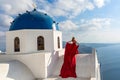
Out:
{"x": 97, "y": 66}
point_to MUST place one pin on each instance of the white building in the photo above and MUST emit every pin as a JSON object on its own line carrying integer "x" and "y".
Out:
{"x": 34, "y": 51}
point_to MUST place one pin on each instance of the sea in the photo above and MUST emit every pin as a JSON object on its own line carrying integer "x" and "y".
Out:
{"x": 109, "y": 59}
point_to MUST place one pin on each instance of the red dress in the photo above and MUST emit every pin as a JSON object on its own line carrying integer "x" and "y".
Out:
{"x": 69, "y": 66}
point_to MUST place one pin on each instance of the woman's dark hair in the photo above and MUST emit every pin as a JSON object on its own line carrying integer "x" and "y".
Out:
{"x": 73, "y": 38}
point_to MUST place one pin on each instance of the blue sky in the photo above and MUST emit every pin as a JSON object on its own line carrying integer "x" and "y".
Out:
{"x": 90, "y": 21}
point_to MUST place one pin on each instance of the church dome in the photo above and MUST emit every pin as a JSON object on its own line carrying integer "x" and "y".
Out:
{"x": 33, "y": 20}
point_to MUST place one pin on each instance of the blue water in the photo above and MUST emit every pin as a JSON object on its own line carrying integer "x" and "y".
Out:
{"x": 109, "y": 58}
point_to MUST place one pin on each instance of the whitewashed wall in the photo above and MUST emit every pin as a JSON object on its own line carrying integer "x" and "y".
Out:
{"x": 57, "y": 34}
{"x": 10, "y": 41}
{"x": 15, "y": 70}
{"x": 36, "y": 62}
{"x": 28, "y": 40}
{"x": 42, "y": 64}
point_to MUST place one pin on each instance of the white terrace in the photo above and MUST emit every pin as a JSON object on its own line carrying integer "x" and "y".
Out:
{"x": 15, "y": 67}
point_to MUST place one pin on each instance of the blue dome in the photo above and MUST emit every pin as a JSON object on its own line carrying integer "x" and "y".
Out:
{"x": 32, "y": 20}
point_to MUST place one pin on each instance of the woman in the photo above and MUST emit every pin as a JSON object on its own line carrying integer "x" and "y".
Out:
{"x": 69, "y": 65}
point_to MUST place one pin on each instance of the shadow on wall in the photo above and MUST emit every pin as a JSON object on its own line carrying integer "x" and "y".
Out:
{"x": 52, "y": 62}
{"x": 2, "y": 46}
{"x": 19, "y": 71}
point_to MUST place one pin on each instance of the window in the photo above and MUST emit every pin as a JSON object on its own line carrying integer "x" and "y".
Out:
{"x": 58, "y": 42}
{"x": 16, "y": 44}
{"x": 40, "y": 43}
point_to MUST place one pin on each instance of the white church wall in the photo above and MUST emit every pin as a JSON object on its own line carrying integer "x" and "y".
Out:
{"x": 31, "y": 40}
{"x": 4, "y": 58}
{"x": 10, "y": 36}
{"x": 28, "y": 40}
{"x": 15, "y": 70}
{"x": 51, "y": 63}
{"x": 36, "y": 62}
{"x": 41, "y": 64}
{"x": 57, "y": 34}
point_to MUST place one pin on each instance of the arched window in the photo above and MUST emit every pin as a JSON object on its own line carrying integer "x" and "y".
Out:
{"x": 16, "y": 44}
{"x": 40, "y": 43}
{"x": 58, "y": 42}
